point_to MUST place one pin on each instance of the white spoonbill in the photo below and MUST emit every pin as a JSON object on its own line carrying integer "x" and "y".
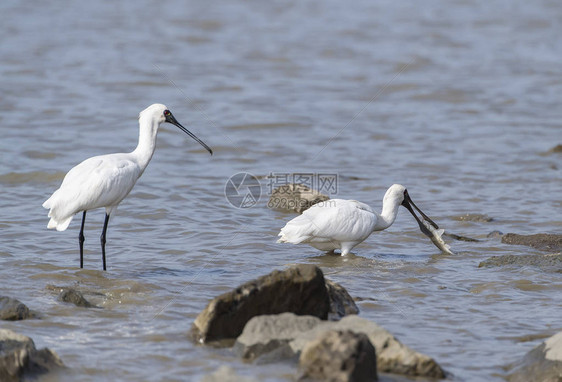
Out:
{"x": 342, "y": 224}
{"x": 105, "y": 180}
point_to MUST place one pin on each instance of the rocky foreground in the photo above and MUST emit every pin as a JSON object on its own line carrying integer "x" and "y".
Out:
{"x": 19, "y": 358}
{"x": 284, "y": 316}
{"x": 543, "y": 363}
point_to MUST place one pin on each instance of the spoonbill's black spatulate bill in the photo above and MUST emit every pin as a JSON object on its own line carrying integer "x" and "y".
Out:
{"x": 105, "y": 180}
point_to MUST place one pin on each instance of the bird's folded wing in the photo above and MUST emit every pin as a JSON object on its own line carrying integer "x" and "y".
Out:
{"x": 334, "y": 219}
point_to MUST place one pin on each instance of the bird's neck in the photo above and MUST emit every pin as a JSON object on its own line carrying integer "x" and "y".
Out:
{"x": 388, "y": 214}
{"x": 147, "y": 141}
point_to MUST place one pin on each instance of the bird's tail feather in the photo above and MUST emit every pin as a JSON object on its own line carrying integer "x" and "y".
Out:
{"x": 58, "y": 213}
{"x": 60, "y": 225}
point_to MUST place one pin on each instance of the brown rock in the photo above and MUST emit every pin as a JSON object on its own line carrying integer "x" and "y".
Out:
{"x": 548, "y": 262}
{"x": 339, "y": 356}
{"x": 19, "y": 358}
{"x": 13, "y": 310}
{"x": 541, "y": 241}
{"x": 556, "y": 149}
{"x": 294, "y": 197}
{"x": 341, "y": 303}
{"x": 74, "y": 297}
{"x": 300, "y": 289}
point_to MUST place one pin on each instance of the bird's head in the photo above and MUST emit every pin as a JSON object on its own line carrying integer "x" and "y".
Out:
{"x": 160, "y": 113}
{"x": 400, "y": 194}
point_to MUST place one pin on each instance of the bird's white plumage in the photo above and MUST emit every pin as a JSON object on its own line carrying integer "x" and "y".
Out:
{"x": 105, "y": 180}
{"x": 341, "y": 224}
{"x": 101, "y": 181}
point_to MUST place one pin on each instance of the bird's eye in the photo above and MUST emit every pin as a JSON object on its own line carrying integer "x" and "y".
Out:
{"x": 167, "y": 112}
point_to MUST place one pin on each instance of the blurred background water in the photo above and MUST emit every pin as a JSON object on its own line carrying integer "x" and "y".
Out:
{"x": 458, "y": 101}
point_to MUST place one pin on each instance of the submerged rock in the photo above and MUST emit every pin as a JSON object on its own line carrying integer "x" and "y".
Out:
{"x": 13, "y": 310}
{"x": 494, "y": 234}
{"x": 551, "y": 262}
{"x": 19, "y": 358}
{"x": 541, "y": 241}
{"x": 474, "y": 218}
{"x": 339, "y": 356}
{"x": 294, "y": 197}
{"x": 556, "y": 149}
{"x": 291, "y": 333}
{"x": 543, "y": 363}
{"x": 459, "y": 237}
{"x": 74, "y": 297}
{"x": 300, "y": 289}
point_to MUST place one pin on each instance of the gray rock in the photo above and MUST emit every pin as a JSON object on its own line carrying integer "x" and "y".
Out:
{"x": 341, "y": 303}
{"x": 339, "y": 356}
{"x": 543, "y": 363}
{"x": 264, "y": 333}
{"x": 294, "y": 198}
{"x": 300, "y": 289}
{"x": 13, "y": 310}
{"x": 74, "y": 297}
{"x": 548, "y": 262}
{"x": 541, "y": 241}
{"x": 392, "y": 355}
{"x": 19, "y": 358}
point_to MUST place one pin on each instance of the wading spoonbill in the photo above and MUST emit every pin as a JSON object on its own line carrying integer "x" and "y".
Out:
{"x": 342, "y": 224}
{"x": 105, "y": 180}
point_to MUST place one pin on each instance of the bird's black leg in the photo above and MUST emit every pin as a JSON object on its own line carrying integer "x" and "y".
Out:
{"x": 103, "y": 239}
{"x": 81, "y": 240}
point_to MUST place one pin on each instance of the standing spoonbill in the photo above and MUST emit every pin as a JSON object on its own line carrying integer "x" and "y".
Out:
{"x": 342, "y": 224}
{"x": 105, "y": 180}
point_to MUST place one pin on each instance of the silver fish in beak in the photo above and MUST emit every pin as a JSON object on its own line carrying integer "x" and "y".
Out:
{"x": 427, "y": 226}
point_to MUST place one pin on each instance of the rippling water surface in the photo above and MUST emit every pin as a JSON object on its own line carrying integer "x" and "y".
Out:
{"x": 459, "y": 101}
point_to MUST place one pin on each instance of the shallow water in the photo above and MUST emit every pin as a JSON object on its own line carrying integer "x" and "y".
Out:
{"x": 457, "y": 101}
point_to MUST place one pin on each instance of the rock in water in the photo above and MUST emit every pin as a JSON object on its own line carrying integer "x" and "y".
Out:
{"x": 74, "y": 297}
{"x": 294, "y": 197}
{"x": 19, "y": 358}
{"x": 540, "y": 241}
{"x": 264, "y": 334}
{"x": 288, "y": 334}
{"x": 300, "y": 289}
{"x": 13, "y": 310}
{"x": 543, "y": 363}
{"x": 341, "y": 303}
{"x": 547, "y": 262}
{"x": 339, "y": 356}
{"x": 474, "y": 218}
{"x": 392, "y": 355}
